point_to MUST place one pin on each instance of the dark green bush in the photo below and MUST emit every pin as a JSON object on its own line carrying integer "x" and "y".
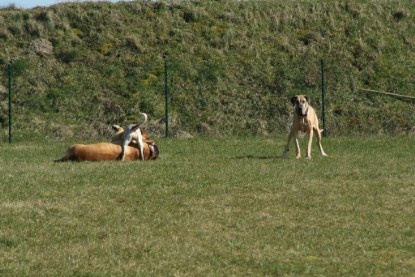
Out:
{"x": 19, "y": 66}
{"x": 68, "y": 54}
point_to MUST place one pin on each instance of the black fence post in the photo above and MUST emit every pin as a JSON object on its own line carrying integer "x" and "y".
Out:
{"x": 323, "y": 94}
{"x": 9, "y": 71}
{"x": 166, "y": 95}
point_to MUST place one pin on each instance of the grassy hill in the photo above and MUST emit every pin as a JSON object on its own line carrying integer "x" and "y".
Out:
{"x": 233, "y": 66}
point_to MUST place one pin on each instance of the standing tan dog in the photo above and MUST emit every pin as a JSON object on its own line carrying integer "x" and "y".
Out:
{"x": 304, "y": 121}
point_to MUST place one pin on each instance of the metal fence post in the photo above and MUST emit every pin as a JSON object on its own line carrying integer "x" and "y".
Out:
{"x": 9, "y": 71}
{"x": 323, "y": 94}
{"x": 166, "y": 94}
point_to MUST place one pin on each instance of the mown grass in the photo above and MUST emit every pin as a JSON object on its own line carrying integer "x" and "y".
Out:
{"x": 211, "y": 207}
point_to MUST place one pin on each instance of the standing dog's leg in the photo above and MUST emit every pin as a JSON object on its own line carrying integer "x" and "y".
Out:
{"x": 310, "y": 141}
{"x": 318, "y": 135}
{"x": 297, "y": 148}
{"x": 126, "y": 139}
{"x": 287, "y": 146}
{"x": 140, "y": 143}
{"x": 124, "y": 146}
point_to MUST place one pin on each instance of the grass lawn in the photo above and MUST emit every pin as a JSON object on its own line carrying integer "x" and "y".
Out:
{"x": 211, "y": 207}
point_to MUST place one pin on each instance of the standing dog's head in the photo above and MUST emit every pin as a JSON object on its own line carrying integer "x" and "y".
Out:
{"x": 301, "y": 104}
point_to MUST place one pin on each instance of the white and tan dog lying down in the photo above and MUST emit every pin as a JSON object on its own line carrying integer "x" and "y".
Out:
{"x": 106, "y": 151}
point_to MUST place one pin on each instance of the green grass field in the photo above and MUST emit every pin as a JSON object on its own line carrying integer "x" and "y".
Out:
{"x": 211, "y": 207}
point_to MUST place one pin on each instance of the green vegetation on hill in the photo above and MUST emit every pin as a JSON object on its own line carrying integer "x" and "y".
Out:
{"x": 80, "y": 67}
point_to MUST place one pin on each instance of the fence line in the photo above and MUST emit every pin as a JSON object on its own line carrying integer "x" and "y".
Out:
{"x": 388, "y": 93}
{"x": 9, "y": 73}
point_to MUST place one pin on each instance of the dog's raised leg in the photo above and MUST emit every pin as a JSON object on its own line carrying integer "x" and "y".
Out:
{"x": 287, "y": 146}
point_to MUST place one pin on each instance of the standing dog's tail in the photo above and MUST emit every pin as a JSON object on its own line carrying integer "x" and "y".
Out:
{"x": 135, "y": 126}
{"x": 145, "y": 118}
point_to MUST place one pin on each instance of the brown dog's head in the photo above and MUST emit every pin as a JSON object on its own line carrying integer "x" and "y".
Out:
{"x": 301, "y": 104}
{"x": 154, "y": 151}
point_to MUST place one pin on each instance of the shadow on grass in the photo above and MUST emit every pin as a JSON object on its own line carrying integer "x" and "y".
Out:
{"x": 253, "y": 157}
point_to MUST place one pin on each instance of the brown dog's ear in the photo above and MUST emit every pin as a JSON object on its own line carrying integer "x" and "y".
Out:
{"x": 293, "y": 99}
{"x": 306, "y": 98}
{"x": 116, "y": 127}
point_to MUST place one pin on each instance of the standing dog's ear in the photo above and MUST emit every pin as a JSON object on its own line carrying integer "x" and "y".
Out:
{"x": 306, "y": 98}
{"x": 293, "y": 99}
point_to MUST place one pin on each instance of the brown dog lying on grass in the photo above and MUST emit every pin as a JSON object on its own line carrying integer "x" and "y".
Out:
{"x": 106, "y": 151}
